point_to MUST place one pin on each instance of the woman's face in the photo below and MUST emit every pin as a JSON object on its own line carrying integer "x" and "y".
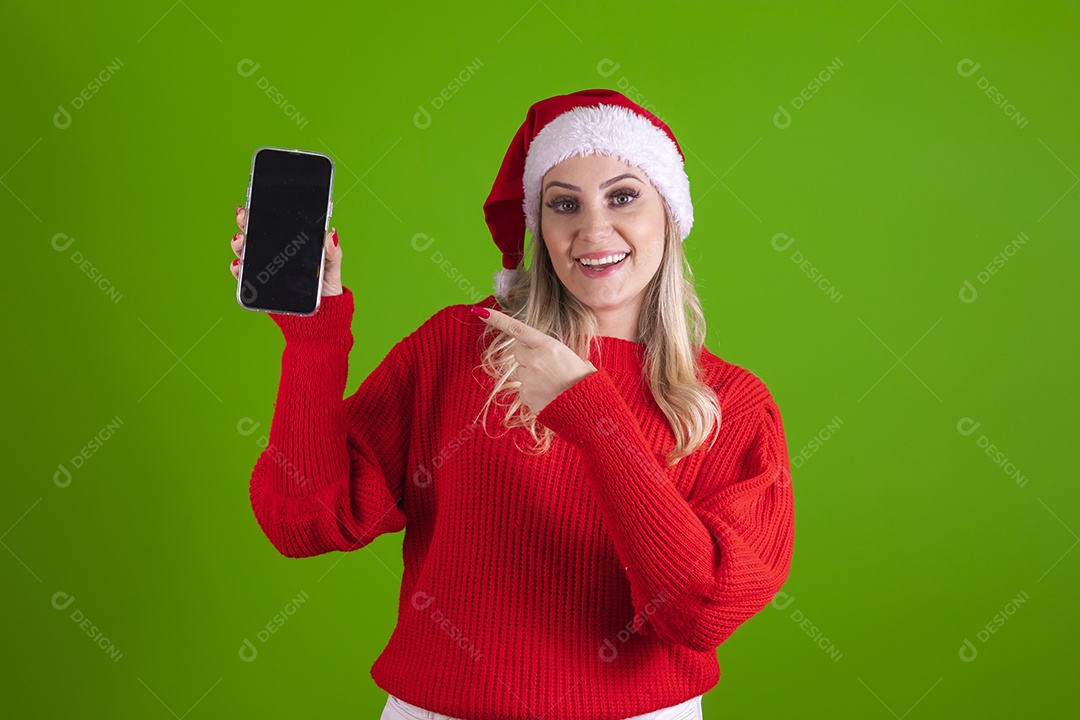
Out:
{"x": 595, "y": 207}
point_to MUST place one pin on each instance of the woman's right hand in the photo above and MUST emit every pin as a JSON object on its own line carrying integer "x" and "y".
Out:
{"x": 331, "y": 272}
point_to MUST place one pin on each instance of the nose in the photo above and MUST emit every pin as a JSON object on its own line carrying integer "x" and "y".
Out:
{"x": 595, "y": 224}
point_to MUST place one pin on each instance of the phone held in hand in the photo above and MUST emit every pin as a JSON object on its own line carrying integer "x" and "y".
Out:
{"x": 289, "y": 206}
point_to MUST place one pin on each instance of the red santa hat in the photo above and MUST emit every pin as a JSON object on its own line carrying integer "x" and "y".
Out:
{"x": 604, "y": 122}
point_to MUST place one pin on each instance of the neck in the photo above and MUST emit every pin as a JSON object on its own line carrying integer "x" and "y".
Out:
{"x": 618, "y": 322}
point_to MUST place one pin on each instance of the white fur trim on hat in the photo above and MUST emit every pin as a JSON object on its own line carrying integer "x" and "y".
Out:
{"x": 608, "y": 130}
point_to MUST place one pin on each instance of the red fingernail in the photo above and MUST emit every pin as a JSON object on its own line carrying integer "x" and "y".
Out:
{"x": 236, "y": 262}
{"x": 482, "y": 312}
{"x": 334, "y": 236}
{"x": 237, "y": 236}
{"x": 239, "y": 208}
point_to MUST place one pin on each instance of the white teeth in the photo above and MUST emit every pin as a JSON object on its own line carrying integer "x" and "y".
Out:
{"x": 604, "y": 260}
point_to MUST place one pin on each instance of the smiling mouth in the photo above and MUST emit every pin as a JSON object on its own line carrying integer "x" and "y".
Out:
{"x": 603, "y": 263}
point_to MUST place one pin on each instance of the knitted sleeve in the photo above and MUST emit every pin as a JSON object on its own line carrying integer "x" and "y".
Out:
{"x": 331, "y": 476}
{"x": 698, "y": 567}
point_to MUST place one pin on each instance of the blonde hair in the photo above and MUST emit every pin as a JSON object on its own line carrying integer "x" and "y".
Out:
{"x": 671, "y": 325}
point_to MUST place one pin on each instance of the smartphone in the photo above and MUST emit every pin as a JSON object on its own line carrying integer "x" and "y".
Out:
{"x": 289, "y": 204}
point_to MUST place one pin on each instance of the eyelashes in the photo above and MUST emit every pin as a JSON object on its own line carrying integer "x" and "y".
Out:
{"x": 564, "y": 200}
{"x": 630, "y": 192}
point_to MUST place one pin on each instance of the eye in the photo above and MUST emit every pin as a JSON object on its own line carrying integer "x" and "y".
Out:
{"x": 562, "y": 205}
{"x": 629, "y": 194}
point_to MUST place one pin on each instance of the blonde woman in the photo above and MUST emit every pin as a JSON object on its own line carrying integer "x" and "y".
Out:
{"x": 592, "y": 501}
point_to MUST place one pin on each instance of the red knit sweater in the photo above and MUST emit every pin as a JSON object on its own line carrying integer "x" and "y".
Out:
{"x": 588, "y": 582}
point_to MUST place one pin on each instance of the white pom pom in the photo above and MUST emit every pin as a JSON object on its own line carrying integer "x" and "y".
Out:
{"x": 503, "y": 280}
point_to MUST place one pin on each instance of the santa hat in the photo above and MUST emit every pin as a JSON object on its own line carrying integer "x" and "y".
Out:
{"x": 604, "y": 122}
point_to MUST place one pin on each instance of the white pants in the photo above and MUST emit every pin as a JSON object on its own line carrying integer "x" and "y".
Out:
{"x": 397, "y": 709}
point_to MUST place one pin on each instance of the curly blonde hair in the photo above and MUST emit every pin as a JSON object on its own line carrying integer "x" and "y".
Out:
{"x": 671, "y": 325}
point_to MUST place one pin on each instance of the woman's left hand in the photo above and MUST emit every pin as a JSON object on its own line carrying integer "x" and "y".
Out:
{"x": 546, "y": 367}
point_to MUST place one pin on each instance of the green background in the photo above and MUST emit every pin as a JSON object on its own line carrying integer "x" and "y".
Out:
{"x": 899, "y": 180}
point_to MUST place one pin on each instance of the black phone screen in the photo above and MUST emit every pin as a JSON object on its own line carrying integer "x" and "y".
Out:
{"x": 287, "y": 218}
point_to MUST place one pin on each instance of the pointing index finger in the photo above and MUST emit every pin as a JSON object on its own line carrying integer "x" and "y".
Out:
{"x": 513, "y": 327}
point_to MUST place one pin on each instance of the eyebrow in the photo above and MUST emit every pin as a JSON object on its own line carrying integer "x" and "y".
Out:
{"x": 607, "y": 183}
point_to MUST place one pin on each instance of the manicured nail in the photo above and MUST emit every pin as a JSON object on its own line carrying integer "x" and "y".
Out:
{"x": 334, "y": 236}
{"x": 482, "y": 312}
{"x": 237, "y": 236}
{"x": 236, "y": 262}
{"x": 239, "y": 208}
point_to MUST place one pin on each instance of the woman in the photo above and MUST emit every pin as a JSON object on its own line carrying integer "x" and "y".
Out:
{"x": 584, "y": 551}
